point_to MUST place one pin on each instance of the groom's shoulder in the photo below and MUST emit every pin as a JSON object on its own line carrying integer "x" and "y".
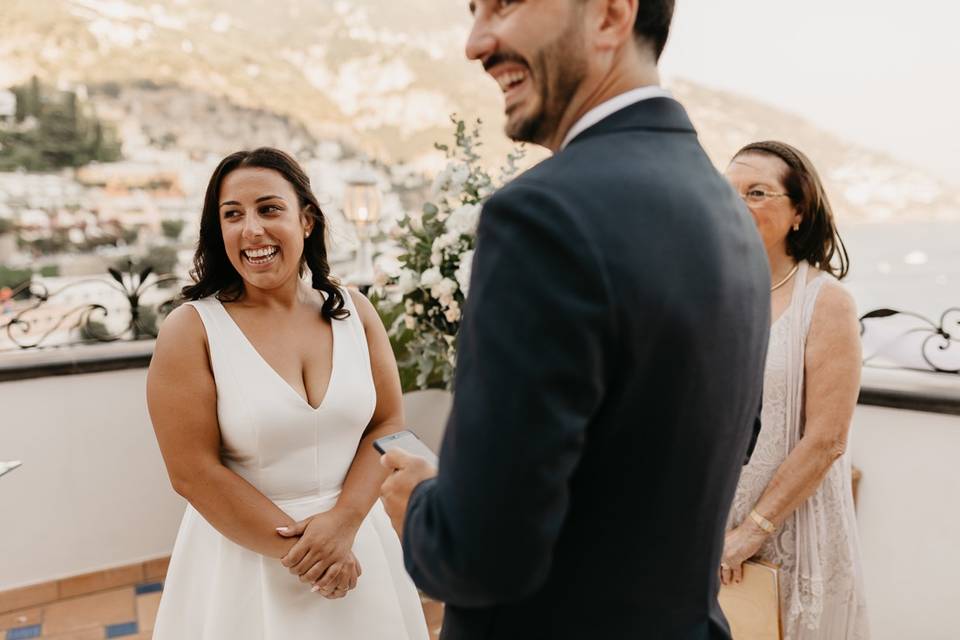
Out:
{"x": 598, "y": 163}
{"x": 557, "y": 176}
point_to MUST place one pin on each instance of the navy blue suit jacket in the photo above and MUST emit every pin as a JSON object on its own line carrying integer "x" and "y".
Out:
{"x": 609, "y": 372}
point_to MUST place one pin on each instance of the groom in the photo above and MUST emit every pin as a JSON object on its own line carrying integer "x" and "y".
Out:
{"x": 610, "y": 359}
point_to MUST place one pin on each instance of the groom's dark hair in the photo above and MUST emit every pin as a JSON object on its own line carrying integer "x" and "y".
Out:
{"x": 652, "y": 26}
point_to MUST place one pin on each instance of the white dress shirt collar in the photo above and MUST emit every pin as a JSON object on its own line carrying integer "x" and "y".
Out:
{"x": 610, "y": 107}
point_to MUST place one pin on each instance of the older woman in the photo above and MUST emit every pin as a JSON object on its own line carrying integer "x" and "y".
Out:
{"x": 266, "y": 393}
{"x": 794, "y": 504}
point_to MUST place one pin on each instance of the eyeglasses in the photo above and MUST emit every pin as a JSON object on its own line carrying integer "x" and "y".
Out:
{"x": 759, "y": 196}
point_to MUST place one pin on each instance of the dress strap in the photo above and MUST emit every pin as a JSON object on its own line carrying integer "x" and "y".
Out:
{"x": 355, "y": 324}
{"x": 799, "y": 286}
{"x": 810, "y": 301}
{"x": 222, "y": 335}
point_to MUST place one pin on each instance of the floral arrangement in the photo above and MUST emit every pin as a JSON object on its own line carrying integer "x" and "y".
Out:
{"x": 422, "y": 304}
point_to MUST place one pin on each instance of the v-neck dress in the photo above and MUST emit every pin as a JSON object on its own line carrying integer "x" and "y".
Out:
{"x": 297, "y": 456}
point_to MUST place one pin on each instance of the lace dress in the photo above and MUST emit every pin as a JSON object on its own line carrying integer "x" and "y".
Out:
{"x": 817, "y": 547}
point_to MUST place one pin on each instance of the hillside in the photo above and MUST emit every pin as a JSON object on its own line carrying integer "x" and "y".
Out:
{"x": 377, "y": 75}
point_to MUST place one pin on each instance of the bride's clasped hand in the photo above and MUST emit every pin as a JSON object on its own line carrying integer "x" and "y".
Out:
{"x": 323, "y": 555}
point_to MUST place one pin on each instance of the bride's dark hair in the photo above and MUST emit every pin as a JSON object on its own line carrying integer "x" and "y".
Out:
{"x": 212, "y": 272}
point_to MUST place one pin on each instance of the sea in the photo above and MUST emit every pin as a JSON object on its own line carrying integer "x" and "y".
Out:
{"x": 909, "y": 266}
{"x": 914, "y": 268}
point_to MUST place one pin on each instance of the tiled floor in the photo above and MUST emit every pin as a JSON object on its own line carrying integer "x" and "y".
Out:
{"x": 126, "y": 612}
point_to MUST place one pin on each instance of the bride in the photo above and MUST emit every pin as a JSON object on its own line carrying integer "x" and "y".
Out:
{"x": 265, "y": 396}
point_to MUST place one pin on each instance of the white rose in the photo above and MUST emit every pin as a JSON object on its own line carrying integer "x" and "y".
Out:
{"x": 452, "y": 314}
{"x": 407, "y": 281}
{"x": 445, "y": 287}
{"x": 410, "y": 322}
{"x": 462, "y": 274}
{"x": 436, "y": 259}
{"x": 418, "y": 309}
{"x": 430, "y": 277}
{"x": 444, "y": 241}
{"x": 464, "y": 219}
{"x": 408, "y": 305}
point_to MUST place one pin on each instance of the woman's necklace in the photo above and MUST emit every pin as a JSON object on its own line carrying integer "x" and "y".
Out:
{"x": 784, "y": 281}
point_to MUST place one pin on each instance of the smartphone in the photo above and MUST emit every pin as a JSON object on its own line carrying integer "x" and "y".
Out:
{"x": 6, "y": 467}
{"x": 407, "y": 441}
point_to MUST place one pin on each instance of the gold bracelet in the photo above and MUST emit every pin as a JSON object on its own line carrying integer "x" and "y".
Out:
{"x": 762, "y": 522}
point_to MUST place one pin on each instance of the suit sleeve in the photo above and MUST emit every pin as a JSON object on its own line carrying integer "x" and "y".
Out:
{"x": 530, "y": 375}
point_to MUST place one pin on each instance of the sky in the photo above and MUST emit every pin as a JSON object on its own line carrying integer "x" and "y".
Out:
{"x": 881, "y": 73}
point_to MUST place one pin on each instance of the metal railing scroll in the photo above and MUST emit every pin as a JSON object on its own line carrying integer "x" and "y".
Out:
{"x": 908, "y": 340}
{"x": 127, "y": 305}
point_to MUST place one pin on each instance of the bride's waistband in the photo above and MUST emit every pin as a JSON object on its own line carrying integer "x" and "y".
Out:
{"x": 318, "y": 500}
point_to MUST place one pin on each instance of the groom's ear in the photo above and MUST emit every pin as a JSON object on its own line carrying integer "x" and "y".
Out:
{"x": 614, "y": 21}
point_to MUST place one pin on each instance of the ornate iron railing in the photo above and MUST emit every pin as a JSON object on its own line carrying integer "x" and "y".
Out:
{"x": 934, "y": 340}
{"x": 32, "y": 325}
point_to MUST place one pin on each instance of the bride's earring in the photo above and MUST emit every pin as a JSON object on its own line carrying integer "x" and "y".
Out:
{"x": 796, "y": 226}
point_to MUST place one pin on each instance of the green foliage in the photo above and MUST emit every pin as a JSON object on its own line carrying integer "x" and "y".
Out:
{"x": 65, "y": 132}
{"x": 163, "y": 260}
{"x": 392, "y": 315}
{"x": 422, "y": 306}
{"x": 172, "y": 228}
{"x": 129, "y": 234}
{"x": 6, "y": 226}
{"x": 14, "y": 277}
{"x": 94, "y": 330}
{"x": 147, "y": 322}
{"x": 56, "y": 242}
{"x": 146, "y": 327}
{"x": 50, "y": 271}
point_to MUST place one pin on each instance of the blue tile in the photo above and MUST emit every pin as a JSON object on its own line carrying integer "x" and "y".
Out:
{"x": 120, "y": 630}
{"x": 149, "y": 587}
{"x": 22, "y": 633}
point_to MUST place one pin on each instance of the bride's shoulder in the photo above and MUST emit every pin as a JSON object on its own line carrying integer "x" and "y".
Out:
{"x": 365, "y": 309}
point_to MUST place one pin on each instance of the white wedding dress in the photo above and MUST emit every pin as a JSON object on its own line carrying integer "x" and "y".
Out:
{"x": 298, "y": 457}
{"x": 817, "y": 547}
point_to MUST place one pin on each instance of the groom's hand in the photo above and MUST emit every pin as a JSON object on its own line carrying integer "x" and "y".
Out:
{"x": 407, "y": 472}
